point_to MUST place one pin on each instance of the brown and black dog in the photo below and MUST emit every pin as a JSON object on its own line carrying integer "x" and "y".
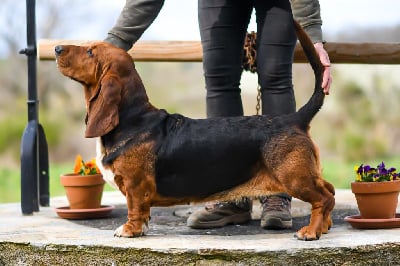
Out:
{"x": 159, "y": 159}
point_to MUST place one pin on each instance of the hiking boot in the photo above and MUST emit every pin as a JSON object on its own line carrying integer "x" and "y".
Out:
{"x": 276, "y": 212}
{"x": 218, "y": 214}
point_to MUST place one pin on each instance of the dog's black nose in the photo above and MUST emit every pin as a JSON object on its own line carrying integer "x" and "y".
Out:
{"x": 58, "y": 49}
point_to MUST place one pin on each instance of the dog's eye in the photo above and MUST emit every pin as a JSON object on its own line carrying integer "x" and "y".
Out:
{"x": 90, "y": 53}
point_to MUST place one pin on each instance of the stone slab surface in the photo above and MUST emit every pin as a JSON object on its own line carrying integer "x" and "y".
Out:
{"x": 45, "y": 233}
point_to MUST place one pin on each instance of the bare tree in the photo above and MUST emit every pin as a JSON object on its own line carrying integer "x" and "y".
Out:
{"x": 53, "y": 18}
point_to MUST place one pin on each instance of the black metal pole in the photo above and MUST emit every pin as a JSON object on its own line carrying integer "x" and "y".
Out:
{"x": 30, "y": 51}
{"x": 34, "y": 154}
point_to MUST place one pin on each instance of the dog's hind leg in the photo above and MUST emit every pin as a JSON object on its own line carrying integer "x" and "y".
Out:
{"x": 327, "y": 222}
{"x": 299, "y": 173}
{"x": 322, "y": 202}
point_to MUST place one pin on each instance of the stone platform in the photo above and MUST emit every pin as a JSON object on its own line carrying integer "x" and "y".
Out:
{"x": 46, "y": 239}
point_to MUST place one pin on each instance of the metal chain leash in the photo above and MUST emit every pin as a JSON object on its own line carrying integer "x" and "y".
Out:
{"x": 250, "y": 63}
{"x": 258, "y": 105}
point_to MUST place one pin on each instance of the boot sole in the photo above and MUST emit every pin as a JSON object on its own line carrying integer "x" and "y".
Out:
{"x": 276, "y": 223}
{"x": 233, "y": 219}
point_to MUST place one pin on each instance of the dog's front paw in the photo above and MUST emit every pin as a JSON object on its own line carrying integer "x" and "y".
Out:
{"x": 307, "y": 234}
{"x": 123, "y": 231}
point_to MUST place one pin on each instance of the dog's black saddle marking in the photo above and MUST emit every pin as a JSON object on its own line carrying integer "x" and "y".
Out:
{"x": 199, "y": 157}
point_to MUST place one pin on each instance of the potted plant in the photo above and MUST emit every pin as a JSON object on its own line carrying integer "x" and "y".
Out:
{"x": 83, "y": 187}
{"x": 376, "y": 191}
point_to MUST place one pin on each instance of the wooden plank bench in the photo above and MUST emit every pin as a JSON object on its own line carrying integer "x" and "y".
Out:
{"x": 190, "y": 51}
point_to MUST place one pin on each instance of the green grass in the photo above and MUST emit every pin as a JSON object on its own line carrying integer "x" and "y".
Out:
{"x": 10, "y": 183}
{"x": 339, "y": 173}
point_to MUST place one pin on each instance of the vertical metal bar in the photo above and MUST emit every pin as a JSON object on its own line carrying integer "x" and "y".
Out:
{"x": 44, "y": 193}
{"x": 29, "y": 187}
{"x": 30, "y": 52}
{"x": 34, "y": 154}
{"x": 29, "y": 151}
{"x": 32, "y": 59}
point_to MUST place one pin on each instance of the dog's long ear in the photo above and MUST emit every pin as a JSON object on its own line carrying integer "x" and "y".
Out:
{"x": 102, "y": 108}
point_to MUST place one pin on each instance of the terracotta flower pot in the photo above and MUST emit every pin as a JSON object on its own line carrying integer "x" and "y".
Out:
{"x": 376, "y": 200}
{"x": 83, "y": 192}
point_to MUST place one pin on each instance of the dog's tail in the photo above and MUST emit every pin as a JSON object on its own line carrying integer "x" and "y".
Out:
{"x": 306, "y": 113}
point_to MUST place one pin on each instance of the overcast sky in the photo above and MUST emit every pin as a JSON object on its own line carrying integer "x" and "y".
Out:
{"x": 178, "y": 18}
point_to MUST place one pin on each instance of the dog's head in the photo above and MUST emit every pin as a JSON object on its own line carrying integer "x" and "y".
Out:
{"x": 103, "y": 70}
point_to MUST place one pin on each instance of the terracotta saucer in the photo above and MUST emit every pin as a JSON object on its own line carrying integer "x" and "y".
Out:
{"x": 357, "y": 222}
{"x": 75, "y": 214}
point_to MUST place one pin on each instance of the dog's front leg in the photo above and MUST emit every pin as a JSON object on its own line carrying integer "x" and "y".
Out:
{"x": 137, "y": 224}
{"x": 138, "y": 203}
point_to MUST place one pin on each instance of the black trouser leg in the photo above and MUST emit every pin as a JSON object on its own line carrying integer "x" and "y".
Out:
{"x": 276, "y": 40}
{"x": 223, "y": 25}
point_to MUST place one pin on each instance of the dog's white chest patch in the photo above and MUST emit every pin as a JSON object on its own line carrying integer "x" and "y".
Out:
{"x": 108, "y": 175}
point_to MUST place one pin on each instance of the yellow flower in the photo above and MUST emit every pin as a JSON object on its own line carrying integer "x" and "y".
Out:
{"x": 82, "y": 168}
{"x": 356, "y": 168}
{"x": 78, "y": 164}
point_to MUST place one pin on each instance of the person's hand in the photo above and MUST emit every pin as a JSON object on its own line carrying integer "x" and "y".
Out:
{"x": 324, "y": 57}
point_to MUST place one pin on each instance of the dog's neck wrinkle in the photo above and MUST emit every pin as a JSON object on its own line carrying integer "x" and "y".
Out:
{"x": 133, "y": 131}
{"x": 134, "y": 102}
{"x": 134, "y": 109}
{"x": 134, "y": 94}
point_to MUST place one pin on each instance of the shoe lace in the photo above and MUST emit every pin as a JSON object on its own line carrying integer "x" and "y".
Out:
{"x": 243, "y": 203}
{"x": 274, "y": 203}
